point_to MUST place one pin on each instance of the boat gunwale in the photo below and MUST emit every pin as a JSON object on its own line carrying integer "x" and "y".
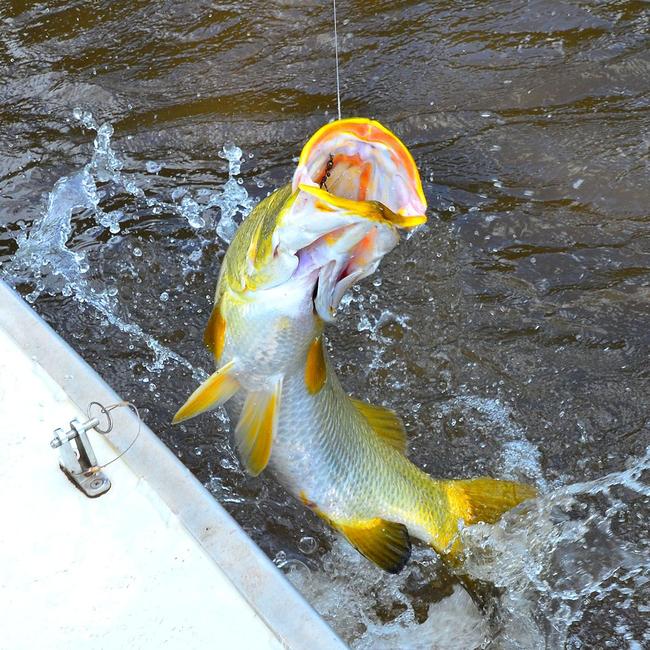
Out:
{"x": 276, "y": 601}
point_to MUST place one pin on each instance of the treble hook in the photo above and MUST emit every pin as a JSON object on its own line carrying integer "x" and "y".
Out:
{"x": 328, "y": 172}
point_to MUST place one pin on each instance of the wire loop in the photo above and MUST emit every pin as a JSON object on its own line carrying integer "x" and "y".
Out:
{"x": 105, "y": 411}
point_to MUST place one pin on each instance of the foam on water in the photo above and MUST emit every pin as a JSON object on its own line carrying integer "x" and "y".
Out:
{"x": 45, "y": 260}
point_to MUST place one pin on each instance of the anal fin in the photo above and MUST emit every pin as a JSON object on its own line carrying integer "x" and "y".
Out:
{"x": 385, "y": 543}
{"x": 219, "y": 387}
{"x": 386, "y": 423}
{"x": 256, "y": 428}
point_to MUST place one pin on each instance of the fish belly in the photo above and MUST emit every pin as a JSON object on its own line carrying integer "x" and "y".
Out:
{"x": 264, "y": 334}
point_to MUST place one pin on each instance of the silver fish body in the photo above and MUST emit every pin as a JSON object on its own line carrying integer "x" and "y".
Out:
{"x": 281, "y": 280}
{"x": 327, "y": 455}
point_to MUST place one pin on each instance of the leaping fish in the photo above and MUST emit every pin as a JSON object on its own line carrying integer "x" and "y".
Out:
{"x": 290, "y": 263}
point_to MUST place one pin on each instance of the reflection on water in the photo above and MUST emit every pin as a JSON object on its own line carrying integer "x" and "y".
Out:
{"x": 512, "y": 332}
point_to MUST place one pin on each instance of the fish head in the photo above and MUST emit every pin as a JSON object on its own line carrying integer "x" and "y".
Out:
{"x": 355, "y": 186}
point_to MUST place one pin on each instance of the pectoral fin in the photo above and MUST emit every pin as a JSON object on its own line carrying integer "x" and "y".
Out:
{"x": 256, "y": 428}
{"x": 386, "y": 423}
{"x": 214, "y": 391}
{"x": 215, "y": 332}
{"x": 385, "y": 543}
{"x": 315, "y": 368}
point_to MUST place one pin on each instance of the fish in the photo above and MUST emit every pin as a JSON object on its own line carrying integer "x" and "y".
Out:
{"x": 355, "y": 187}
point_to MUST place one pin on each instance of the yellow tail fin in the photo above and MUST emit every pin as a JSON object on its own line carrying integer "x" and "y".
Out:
{"x": 485, "y": 499}
{"x": 475, "y": 500}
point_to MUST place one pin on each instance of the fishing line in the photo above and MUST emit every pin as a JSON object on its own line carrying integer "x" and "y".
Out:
{"x": 336, "y": 54}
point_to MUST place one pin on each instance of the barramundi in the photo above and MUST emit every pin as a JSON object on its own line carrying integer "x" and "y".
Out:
{"x": 282, "y": 279}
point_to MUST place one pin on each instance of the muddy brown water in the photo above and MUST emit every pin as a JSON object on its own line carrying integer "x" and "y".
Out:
{"x": 512, "y": 332}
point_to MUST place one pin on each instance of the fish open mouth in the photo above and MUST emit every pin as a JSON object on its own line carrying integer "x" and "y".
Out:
{"x": 359, "y": 159}
{"x": 356, "y": 184}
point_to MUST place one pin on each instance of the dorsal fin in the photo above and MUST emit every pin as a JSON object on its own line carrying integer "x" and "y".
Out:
{"x": 215, "y": 332}
{"x": 256, "y": 428}
{"x": 385, "y": 543}
{"x": 386, "y": 423}
{"x": 219, "y": 387}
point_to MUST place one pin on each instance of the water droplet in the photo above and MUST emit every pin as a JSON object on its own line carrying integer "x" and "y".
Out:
{"x": 164, "y": 296}
{"x": 191, "y": 211}
{"x": 137, "y": 252}
{"x": 307, "y": 545}
{"x": 233, "y": 154}
{"x": 178, "y": 193}
{"x": 153, "y": 167}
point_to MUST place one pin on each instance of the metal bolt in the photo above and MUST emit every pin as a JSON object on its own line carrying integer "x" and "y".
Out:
{"x": 96, "y": 483}
{"x": 61, "y": 437}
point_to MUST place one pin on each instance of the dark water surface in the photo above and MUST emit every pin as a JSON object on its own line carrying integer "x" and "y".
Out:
{"x": 512, "y": 332}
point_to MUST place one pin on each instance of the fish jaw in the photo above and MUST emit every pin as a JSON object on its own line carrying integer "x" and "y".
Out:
{"x": 357, "y": 184}
{"x": 337, "y": 242}
{"x": 354, "y": 186}
{"x": 360, "y": 159}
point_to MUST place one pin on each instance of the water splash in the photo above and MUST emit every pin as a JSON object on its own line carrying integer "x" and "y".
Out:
{"x": 233, "y": 194}
{"x": 371, "y": 321}
{"x": 452, "y": 623}
{"x": 520, "y": 458}
{"x": 376, "y": 610}
{"x": 559, "y": 553}
{"x": 550, "y": 559}
{"x": 47, "y": 262}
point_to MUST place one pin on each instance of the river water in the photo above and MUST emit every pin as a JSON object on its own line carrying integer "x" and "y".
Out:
{"x": 512, "y": 331}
